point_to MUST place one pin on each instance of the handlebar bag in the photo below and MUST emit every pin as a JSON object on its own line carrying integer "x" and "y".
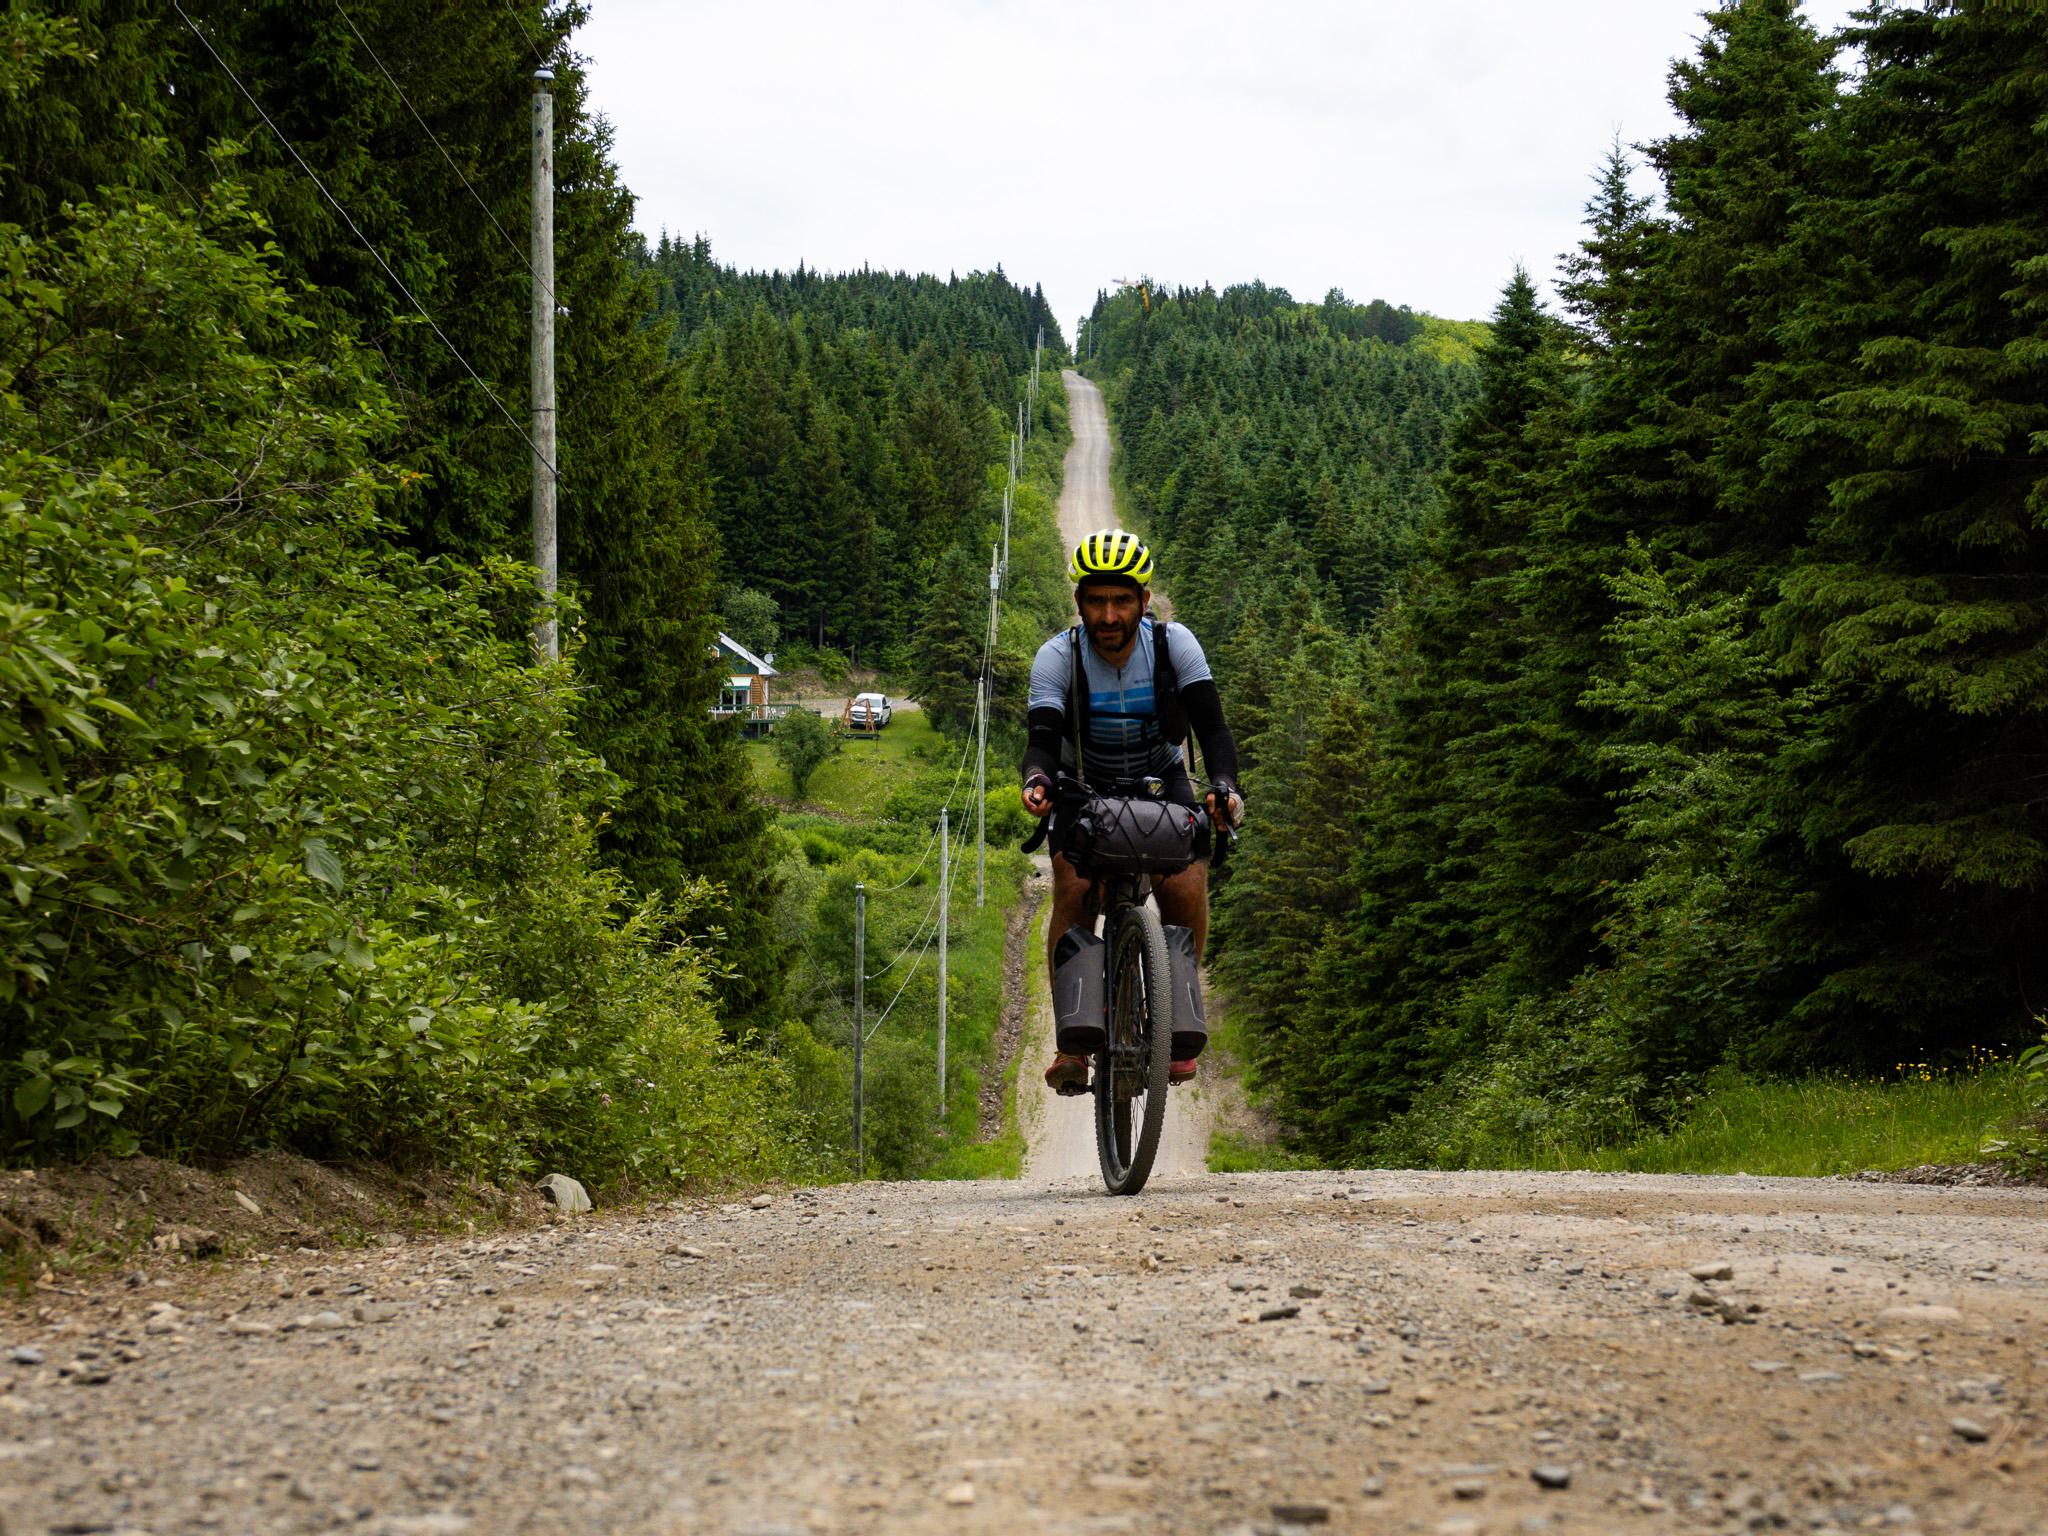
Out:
{"x": 1079, "y": 993}
{"x": 1114, "y": 835}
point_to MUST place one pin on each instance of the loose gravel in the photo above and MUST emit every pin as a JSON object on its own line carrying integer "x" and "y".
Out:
{"x": 1442, "y": 1354}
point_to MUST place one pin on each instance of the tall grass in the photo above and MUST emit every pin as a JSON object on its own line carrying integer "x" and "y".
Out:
{"x": 1818, "y": 1126}
{"x": 1239, "y": 1148}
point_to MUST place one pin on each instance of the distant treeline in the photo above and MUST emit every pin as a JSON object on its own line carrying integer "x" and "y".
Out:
{"x": 1711, "y": 727}
{"x": 1282, "y": 471}
{"x": 857, "y": 425}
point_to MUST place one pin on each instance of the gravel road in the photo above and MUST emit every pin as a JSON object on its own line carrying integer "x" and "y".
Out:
{"x": 1085, "y": 503}
{"x": 1367, "y": 1351}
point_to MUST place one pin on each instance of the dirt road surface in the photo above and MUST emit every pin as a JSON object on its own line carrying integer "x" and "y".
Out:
{"x": 1085, "y": 503}
{"x": 1357, "y": 1352}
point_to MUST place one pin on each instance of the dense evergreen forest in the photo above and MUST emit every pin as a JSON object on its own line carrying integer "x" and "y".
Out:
{"x": 1706, "y": 731}
{"x": 854, "y": 419}
{"x": 302, "y": 848}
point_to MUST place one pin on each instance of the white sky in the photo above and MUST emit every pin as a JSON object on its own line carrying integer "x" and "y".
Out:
{"x": 1411, "y": 152}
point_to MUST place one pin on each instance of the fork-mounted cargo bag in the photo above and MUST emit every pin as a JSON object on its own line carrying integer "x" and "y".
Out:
{"x": 1190, "y": 1024}
{"x": 1079, "y": 994}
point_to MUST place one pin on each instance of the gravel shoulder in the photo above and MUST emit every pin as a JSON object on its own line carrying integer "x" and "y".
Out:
{"x": 1003, "y": 1356}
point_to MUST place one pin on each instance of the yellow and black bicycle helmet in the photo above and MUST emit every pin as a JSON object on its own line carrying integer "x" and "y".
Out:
{"x": 1111, "y": 553}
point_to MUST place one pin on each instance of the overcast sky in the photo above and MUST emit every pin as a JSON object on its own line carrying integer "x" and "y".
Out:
{"x": 1394, "y": 150}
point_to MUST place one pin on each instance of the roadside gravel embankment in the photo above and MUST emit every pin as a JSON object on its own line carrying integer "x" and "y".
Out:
{"x": 1367, "y": 1351}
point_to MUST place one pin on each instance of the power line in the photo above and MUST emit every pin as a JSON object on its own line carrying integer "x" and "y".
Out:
{"x": 932, "y": 841}
{"x": 955, "y": 864}
{"x": 361, "y": 238}
{"x": 915, "y": 934}
{"x": 434, "y": 139}
{"x": 513, "y": 11}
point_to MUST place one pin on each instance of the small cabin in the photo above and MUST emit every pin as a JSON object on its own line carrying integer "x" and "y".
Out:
{"x": 745, "y": 692}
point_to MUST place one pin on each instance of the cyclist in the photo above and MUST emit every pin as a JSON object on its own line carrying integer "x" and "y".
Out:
{"x": 1146, "y": 684}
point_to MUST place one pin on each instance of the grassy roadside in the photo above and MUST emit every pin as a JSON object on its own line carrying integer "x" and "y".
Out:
{"x": 859, "y": 779}
{"x": 1002, "y": 1156}
{"x": 1244, "y": 1139}
{"x": 974, "y": 1011}
{"x": 1815, "y": 1127}
{"x": 866, "y": 815}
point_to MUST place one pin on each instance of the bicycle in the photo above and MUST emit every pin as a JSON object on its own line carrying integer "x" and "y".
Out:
{"x": 1129, "y": 1069}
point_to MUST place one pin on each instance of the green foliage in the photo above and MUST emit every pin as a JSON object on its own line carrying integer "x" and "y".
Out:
{"x": 300, "y": 847}
{"x": 859, "y": 782}
{"x": 858, "y": 424}
{"x": 801, "y": 742}
{"x": 881, "y": 795}
{"x": 1809, "y": 1127}
{"x": 752, "y": 618}
{"x": 352, "y": 90}
{"x": 1692, "y": 720}
{"x": 2028, "y": 1139}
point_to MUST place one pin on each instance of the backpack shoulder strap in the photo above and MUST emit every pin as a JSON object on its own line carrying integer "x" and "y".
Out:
{"x": 1077, "y": 690}
{"x": 1173, "y": 719}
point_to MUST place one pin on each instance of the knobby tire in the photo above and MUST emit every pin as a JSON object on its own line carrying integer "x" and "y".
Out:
{"x": 1127, "y": 1125}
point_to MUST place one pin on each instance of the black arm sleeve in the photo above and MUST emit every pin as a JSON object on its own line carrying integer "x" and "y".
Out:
{"x": 1205, "y": 718}
{"x": 1045, "y": 730}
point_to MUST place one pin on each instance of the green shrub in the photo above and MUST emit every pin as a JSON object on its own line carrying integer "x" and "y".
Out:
{"x": 1559, "y": 1070}
{"x": 1008, "y": 822}
{"x": 2028, "y": 1143}
{"x": 297, "y": 843}
{"x": 802, "y": 741}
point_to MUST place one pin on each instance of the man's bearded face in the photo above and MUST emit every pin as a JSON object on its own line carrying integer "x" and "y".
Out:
{"x": 1110, "y": 612}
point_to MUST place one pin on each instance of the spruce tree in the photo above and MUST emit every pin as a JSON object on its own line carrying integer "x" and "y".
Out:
{"x": 1922, "y": 603}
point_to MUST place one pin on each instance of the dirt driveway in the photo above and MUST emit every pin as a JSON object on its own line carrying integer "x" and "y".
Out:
{"x": 1361, "y": 1352}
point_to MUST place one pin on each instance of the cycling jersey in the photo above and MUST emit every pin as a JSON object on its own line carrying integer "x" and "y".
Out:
{"x": 1125, "y": 740}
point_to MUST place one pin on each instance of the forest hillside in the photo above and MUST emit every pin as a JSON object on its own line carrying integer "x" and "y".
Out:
{"x": 1691, "y": 720}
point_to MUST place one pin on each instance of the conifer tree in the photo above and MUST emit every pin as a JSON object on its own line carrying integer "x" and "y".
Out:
{"x": 1922, "y": 602}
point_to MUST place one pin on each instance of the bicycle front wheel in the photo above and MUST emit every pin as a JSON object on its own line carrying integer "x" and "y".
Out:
{"x": 1131, "y": 1067}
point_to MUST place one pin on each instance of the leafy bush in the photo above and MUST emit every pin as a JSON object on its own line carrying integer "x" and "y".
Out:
{"x": 298, "y": 846}
{"x": 802, "y": 741}
{"x": 1558, "y": 1071}
{"x": 2029, "y": 1144}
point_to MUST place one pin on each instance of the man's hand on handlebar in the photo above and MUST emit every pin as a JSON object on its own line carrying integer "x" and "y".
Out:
{"x": 1226, "y": 805}
{"x": 1038, "y": 795}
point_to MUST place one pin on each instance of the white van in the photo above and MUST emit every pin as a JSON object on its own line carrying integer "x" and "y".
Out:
{"x": 869, "y": 711}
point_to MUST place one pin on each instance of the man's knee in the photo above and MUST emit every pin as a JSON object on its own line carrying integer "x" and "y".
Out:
{"x": 1070, "y": 888}
{"x": 1187, "y": 891}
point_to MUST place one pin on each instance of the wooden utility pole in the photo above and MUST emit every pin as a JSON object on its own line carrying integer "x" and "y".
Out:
{"x": 546, "y": 639}
{"x": 945, "y": 890}
{"x": 860, "y": 1019}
